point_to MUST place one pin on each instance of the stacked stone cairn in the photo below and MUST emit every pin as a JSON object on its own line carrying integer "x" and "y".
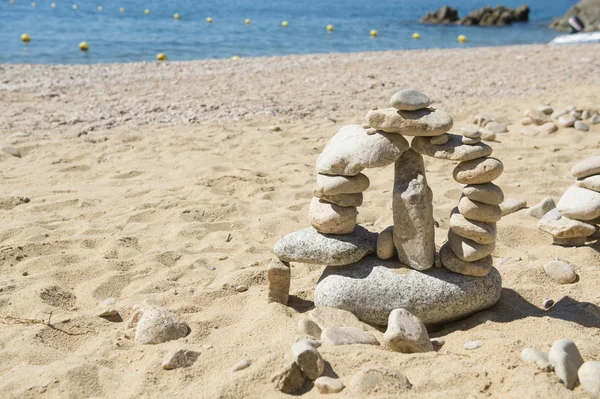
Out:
{"x": 577, "y": 213}
{"x": 372, "y": 287}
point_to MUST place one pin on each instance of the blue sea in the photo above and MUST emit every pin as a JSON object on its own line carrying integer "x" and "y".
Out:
{"x": 132, "y": 35}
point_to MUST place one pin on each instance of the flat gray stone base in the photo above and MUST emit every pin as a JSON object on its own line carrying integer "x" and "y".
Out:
{"x": 372, "y": 288}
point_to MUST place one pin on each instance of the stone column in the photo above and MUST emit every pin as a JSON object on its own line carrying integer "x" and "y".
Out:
{"x": 414, "y": 235}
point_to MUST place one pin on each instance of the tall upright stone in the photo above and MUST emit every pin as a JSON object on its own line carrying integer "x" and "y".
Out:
{"x": 413, "y": 212}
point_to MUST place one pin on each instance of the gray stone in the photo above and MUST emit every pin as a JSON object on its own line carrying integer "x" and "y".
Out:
{"x": 566, "y": 360}
{"x": 478, "y": 171}
{"x": 343, "y": 200}
{"x": 179, "y": 358}
{"x": 471, "y": 345}
{"x": 351, "y": 150}
{"x": 566, "y": 120}
{"x": 309, "y": 359}
{"x": 564, "y": 227}
{"x": 479, "y": 268}
{"x": 469, "y": 250}
{"x": 529, "y": 131}
{"x": 531, "y": 355}
{"x": 279, "y": 277}
{"x": 347, "y": 336}
{"x": 439, "y": 140}
{"x": 241, "y": 365}
{"x": 539, "y": 118}
{"x": 588, "y": 167}
{"x": 579, "y": 125}
{"x": 488, "y": 193}
{"x": 590, "y": 182}
{"x": 496, "y": 127}
{"x": 512, "y": 205}
{"x": 159, "y": 325}
{"x": 328, "y": 218}
{"x": 480, "y": 232}
{"x": 423, "y": 122}
{"x": 310, "y": 246}
{"x": 596, "y": 119}
{"x": 470, "y": 131}
{"x": 561, "y": 272}
{"x": 380, "y": 380}
{"x": 589, "y": 377}
{"x": 558, "y": 113}
{"x": 545, "y": 206}
{"x": 438, "y": 342}
{"x": 385, "y": 244}
{"x": 579, "y": 203}
{"x": 406, "y": 333}
{"x": 486, "y": 135}
{"x": 548, "y": 128}
{"x": 309, "y": 327}
{"x": 453, "y": 150}
{"x": 470, "y": 141}
{"x": 412, "y": 208}
{"x": 336, "y": 185}
{"x": 546, "y": 109}
{"x": 289, "y": 380}
{"x": 551, "y": 215}
{"x": 409, "y": 100}
{"x": 372, "y": 288}
{"x": 12, "y": 151}
{"x": 479, "y": 211}
{"x": 326, "y": 385}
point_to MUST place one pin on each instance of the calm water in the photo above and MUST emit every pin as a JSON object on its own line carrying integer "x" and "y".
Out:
{"x": 133, "y": 36}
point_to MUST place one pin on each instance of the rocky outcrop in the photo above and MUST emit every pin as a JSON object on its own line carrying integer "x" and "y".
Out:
{"x": 444, "y": 15}
{"x": 587, "y": 10}
{"x": 486, "y": 16}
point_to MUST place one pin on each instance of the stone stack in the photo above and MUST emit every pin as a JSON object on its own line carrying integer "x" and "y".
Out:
{"x": 577, "y": 213}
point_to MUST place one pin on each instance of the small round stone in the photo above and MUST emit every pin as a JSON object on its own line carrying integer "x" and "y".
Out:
{"x": 579, "y": 125}
{"x": 470, "y": 141}
{"x": 478, "y": 171}
{"x": 409, "y": 100}
{"x": 547, "y": 303}
{"x": 241, "y": 288}
{"x": 440, "y": 140}
{"x": 561, "y": 272}
{"x": 471, "y": 345}
{"x": 327, "y": 385}
{"x": 470, "y": 131}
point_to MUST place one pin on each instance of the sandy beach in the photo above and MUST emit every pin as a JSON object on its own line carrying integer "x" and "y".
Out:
{"x": 171, "y": 182}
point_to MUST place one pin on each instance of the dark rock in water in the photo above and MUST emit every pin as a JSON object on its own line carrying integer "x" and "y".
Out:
{"x": 444, "y": 15}
{"x": 586, "y": 10}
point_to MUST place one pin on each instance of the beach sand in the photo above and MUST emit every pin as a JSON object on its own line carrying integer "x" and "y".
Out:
{"x": 166, "y": 181}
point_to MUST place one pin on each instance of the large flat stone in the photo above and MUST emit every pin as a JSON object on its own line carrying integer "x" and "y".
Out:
{"x": 310, "y": 246}
{"x": 588, "y": 167}
{"x": 452, "y": 150}
{"x": 372, "y": 288}
{"x": 351, "y": 150}
{"x": 423, "y": 122}
{"x": 579, "y": 203}
{"x": 564, "y": 227}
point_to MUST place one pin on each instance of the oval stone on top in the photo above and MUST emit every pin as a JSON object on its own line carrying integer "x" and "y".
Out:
{"x": 409, "y": 100}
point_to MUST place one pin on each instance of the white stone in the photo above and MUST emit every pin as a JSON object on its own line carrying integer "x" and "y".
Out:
{"x": 470, "y": 141}
{"x": 531, "y": 355}
{"x": 326, "y": 385}
{"x": 487, "y": 135}
{"x": 470, "y": 131}
{"x": 563, "y": 228}
{"x": 471, "y": 345}
{"x": 588, "y": 167}
{"x": 423, "y": 122}
{"x": 241, "y": 365}
{"x": 347, "y": 336}
{"x": 159, "y": 325}
{"x": 566, "y": 120}
{"x": 279, "y": 278}
{"x": 453, "y": 149}
{"x": 512, "y": 205}
{"x": 495, "y": 127}
{"x": 478, "y": 171}
{"x": 179, "y": 358}
{"x": 488, "y": 193}
{"x": 469, "y": 250}
{"x": 561, "y": 272}
{"x": 309, "y": 359}
{"x": 379, "y": 381}
{"x": 579, "y": 203}
{"x": 548, "y": 128}
{"x": 546, "y": 109}
{"x": 529, "y": 131}
{"x": 590, "y": 182}
{"x": 545, "y": 206}
{"x": 479, "y": 211}
{"x": 566, "y": 360}
{"x": 406, "y": 333}
{"x": 335, "y": 185}
{"x": 480, "y": 232}
{"x": 596, "y": 119}
{"x": 539, "y": 118}
{"x": 409, "y": 100}
{"x": 558, "y": 113}
{"x": 579, "y": 125}
{"x": 329, "y": 218}
{"x": 589, "y": 377}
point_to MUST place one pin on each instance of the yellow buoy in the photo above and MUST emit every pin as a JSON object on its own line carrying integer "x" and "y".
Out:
{"x": 83, "y": 46}
{"x": 284, "y": 24}
{"x": 416, "y": 35}
{"x": 462, "y": 38}
{"x": 374, "y": 33}
{"x": 25, "y": 37}
{"x": 176, "y": 16}
{"x": 33, "y": 4}
{"x": 100, "y": 8}
{"x": 122, "y": 9}
{"x": 235, "y": 57}
{"x": 147, "y": 12}
{"x": 247, "y": 21}
{"x": 53, "y": 5}
{"x": 74, "y": 6}
{"x": 209, "y": 20}
{"x": 161, "y": 57}
{"x": 329, "y": 28}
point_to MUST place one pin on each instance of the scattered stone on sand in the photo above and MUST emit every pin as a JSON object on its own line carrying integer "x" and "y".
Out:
{"x": 558, "y": 113}
{"x": 539, "y": 118}
{"x": 241, "y": 288}
{"x": 279, "y": 277}
{"x": 329, "y": 218}
{"x": 529, "y": 131}
{"x": 385, "y": 244}
{"x": 576, "y": 114}
{"x": 569, "y": 242}
{"x": 310, "y": 246}
{"x": 589, "y": 377}
{"x": 566, "y": 120}
{"x": 526, "y": 121}
{"x": 347, "y": 336}
{"x": 579, "y": 203}
{"x": 335, "y": 185}
{"x": 379, "y": 380}
{"x": 471, "y": 345}
{"x": 579, "y": 125}
{"x": 423, "y": 122}
{"x": 372, "y": 288}
{"x": 468, "y": 250}
{"x": 531, "y": 355}
{"x": 351, "y": 150}
{"x": 585, "y": 114}
{"x": 496, "y": 127}
{"x": 480, "y": 232}
{"x": 590, "y": 182}
{"x": 488, "y": 193}
{"x": 546, "y": 109}
{"x": 512, "y": 205}
{"x": 158, "y": 325}
{"x": 343, "y": 200}
{"x": 481, "y": 120}
{"x": 241, "y": 365}
{"x": 470, "y": 141}
{"x": 12, "y": 151}
{"x": 451, "y": 261}
{"x": 406, "y": 333}
{"x": 548, "y": 128}
{"x": 566, "y": 360}
{"x": 440, "y": 140}
{"x": 588, "y": 167}
{"x": 409, "y": 100}
{"x": 596, "y": 119}
{"x": 547, "y": 303}
{"x": 487, "y": 135}
{"x": 412, "y": 207}
{"x": 478, "y": 171}
{"x": 538, "y": 211}
{"x": 309, "y": 327}
{"x": 289, "y": 380}
{"x": 438, "y": 342}
{"x": 561, "y": 272}
{"x": 479, "y": 211}
{"x": 453, "y": 150}
{"x": 20, "y": 135}
{"x": 275, "y": 128}
{"x": 107, "y": 308}
{"x": 179, "y": 358}
{"x": 326, "y": 385}
{"x": 309, "y": 359}
{"x": 563, "y": 227}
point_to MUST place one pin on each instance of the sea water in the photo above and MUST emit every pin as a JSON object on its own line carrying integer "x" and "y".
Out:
{"x": 130, "y": 36}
